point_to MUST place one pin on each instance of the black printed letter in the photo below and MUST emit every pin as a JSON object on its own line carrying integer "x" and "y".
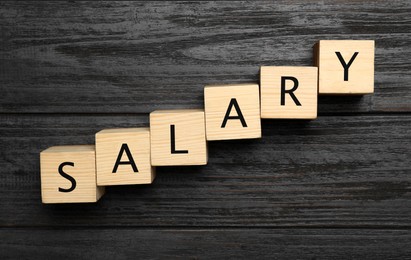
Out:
{"x": 346, "y": 66}
{"x": 173, "y": 141}
{"x": 124, "y": 148}
{"x": 283, "y": 91}
{"x": 68, "y": 177}
{"x": 227, "y": 116}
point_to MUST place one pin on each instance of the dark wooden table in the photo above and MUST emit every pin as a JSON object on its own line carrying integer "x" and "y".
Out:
{"x": 335, "y": 187}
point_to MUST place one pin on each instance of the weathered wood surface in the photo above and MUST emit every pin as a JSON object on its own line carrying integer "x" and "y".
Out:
{"x": 88, "y": 57}
{"x": 335, "y": 187}
{"x": 345, "y": 171}
{"x": 206, "y": 244}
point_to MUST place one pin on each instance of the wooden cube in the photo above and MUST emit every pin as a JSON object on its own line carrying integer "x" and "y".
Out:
{"x": 345, "y": 66}
{"x": 232, "y": 111}
{"x": 178, "y": 137}
{"x": 68, "y": 174}
{"x": 123, "y": 157}
{"x": 288, "y": 92}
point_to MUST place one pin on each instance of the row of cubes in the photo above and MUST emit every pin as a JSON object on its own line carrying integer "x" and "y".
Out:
{"x": 124, "y": 156}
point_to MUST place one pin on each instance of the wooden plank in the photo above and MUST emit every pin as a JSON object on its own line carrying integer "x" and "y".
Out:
{"x": 206, "y": 244}
{"x": 334, "y": 171}
{"x": 87, "y": 57}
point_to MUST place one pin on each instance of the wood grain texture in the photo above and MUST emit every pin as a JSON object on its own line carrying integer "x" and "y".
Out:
{"x": 336, "y": 187}
{"x": 206, "y": 244}
{"x": 342, "y": 171}
{"x": 87, "y": 57}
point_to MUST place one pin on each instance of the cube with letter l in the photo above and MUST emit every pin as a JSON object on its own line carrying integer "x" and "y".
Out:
{"x": 178, "y": 137}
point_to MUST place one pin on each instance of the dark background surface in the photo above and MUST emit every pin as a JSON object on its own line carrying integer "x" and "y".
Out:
{"x": 335, "y": 187}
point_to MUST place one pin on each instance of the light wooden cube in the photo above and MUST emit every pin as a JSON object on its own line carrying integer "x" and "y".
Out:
{"x": 288, "y": 92}
{"x": 178, "y": 137}
{"x": 232, "y": 111}
{"x": 345, "y": 66}
{"x": 123, "y": 157}
{"x": 68, "y": 174}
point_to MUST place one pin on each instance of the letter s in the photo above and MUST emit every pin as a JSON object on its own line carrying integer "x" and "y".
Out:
{"x": 68, "y": 177}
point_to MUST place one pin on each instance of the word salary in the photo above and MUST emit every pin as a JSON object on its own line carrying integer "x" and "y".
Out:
{"x": 124, "y": 156}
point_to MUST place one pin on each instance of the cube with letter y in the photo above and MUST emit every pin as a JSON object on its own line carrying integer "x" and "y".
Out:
{"x": 178, "y": 137}
{"x": 232, "y": 111}
{"x": 288, "y": 92}
{"x": 345, "y": 66}
{"x": 123, "y": 157}
{"x": 68, "y": 174}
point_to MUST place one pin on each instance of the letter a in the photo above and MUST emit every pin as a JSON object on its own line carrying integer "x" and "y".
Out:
{"x": 239, "y": 116}
{"x": 124, "y": 148}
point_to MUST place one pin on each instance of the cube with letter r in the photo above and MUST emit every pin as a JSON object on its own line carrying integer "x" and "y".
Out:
{"x": 288, "y": 92}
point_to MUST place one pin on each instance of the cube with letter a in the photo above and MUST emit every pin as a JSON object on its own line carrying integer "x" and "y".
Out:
{"x": 232, "y": 111}
{"x": 68, "y": 174}
{"x": 123, "y": 157}
{"x": 345, "y": 66}
{"x": 178, "y": 137}
{"x": 288, "y": 92}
